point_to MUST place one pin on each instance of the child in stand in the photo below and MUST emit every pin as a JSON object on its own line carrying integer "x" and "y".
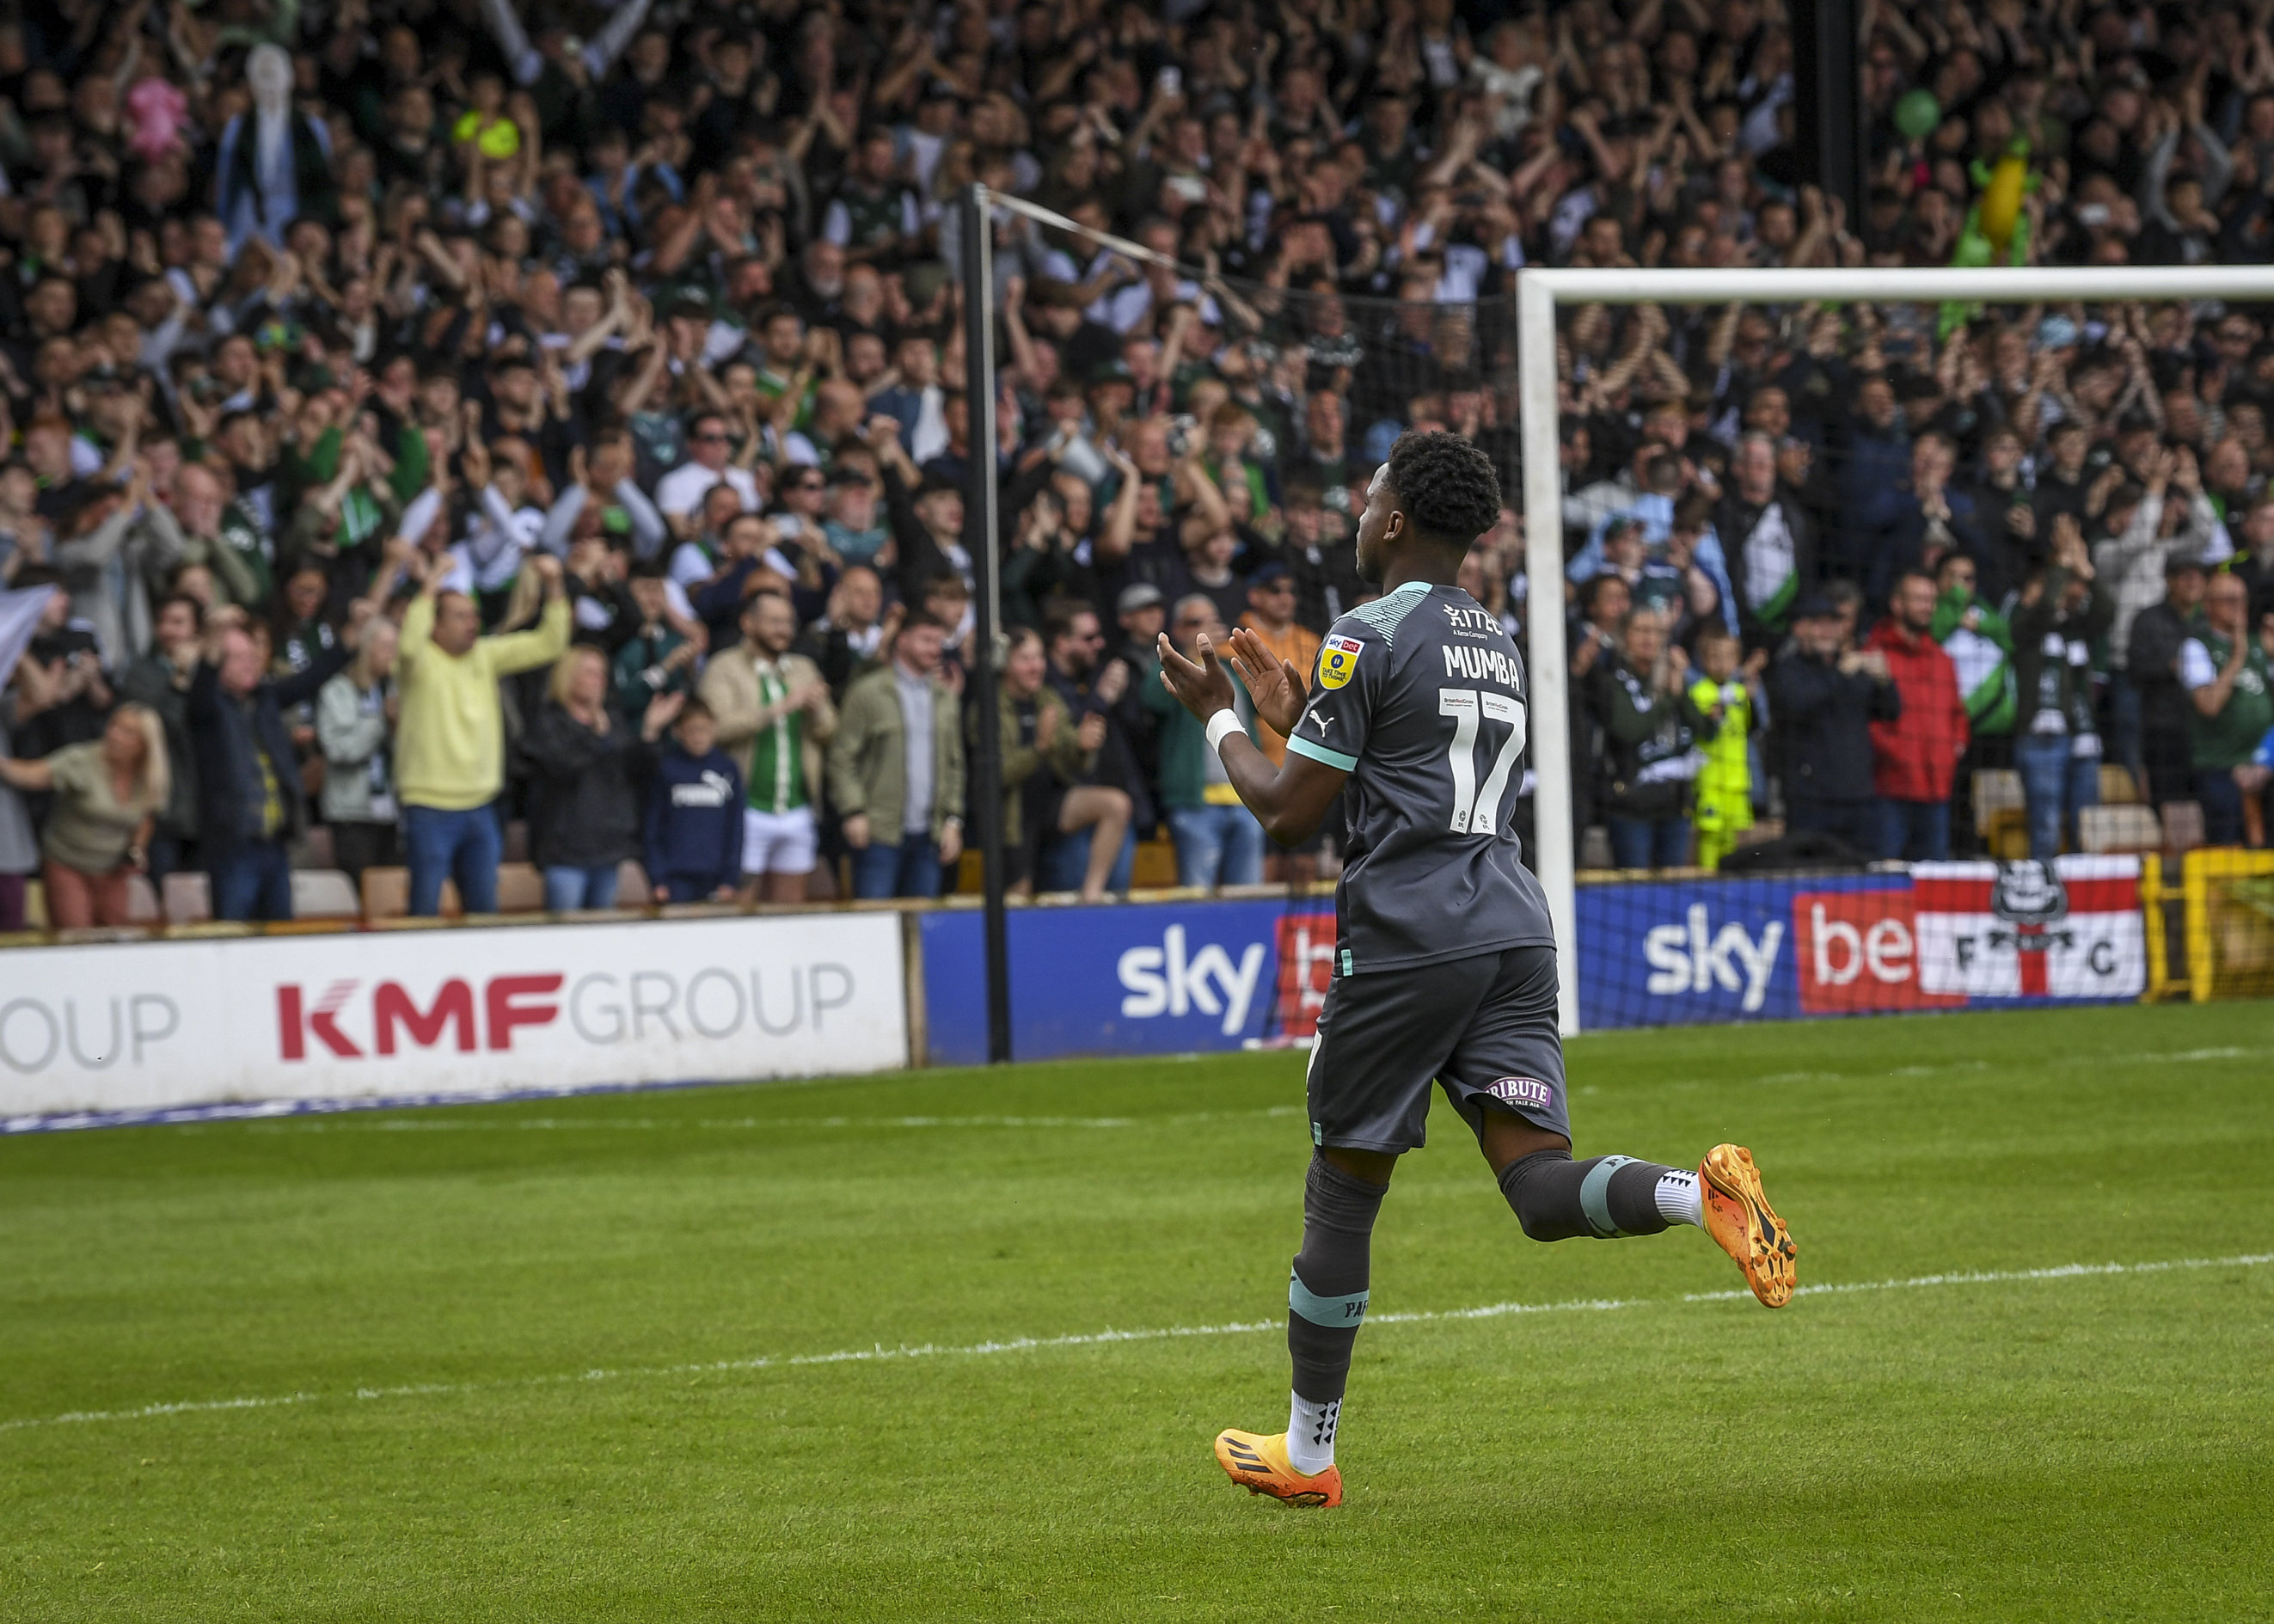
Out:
{"x": 695, "y": 815}
{"x": 1728, "y": 697}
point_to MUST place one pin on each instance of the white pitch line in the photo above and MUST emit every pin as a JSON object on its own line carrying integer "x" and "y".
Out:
{"x": 879, "y": 1353}
{"x": 635, "y": 1125}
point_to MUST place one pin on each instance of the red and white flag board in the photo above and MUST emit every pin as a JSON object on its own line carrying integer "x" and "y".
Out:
{"x": 2022, "y": 931}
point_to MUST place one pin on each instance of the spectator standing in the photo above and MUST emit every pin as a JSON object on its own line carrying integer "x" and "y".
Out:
{"x": 1916, "y": 753}
{"x": 679, "y": 494}
{"x": 2167, "y": 713}
{"x": 771, "y": 710}
{"x": 20, "y": 842}
{"x": 1768, "y": 543}
{"x": 159, "y": 680}
{"x": 1640, "y": 698}
{"x": 356, "y": 713}
{"x": 1043, "y": 751}
{"x": 1080, "y": 851}
{"x": 1271, "y": 616}
{"x": 1825, "y": 699}
{"x": 1727, "y": 697}
{"x": 250, "y": 804}
{"x": 2062, "y": 613}
{"x": 106, "y": 795}
{"x": 896, "y": 770}
{"x": 655, "y": 658}
{"x": 1218, "y": 840}
{"x": 113, "y": 563}
{"x": 2226, "y": 673}
{"x": 2129, "y": 562}
{"x": 1980, "y": 644}
{"x": 588, "y": 783}
{"x": 449, "y": 760}
{"x": 695, "y": 812}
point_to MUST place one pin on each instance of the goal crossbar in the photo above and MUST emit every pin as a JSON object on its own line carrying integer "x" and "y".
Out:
{"x": 1539, "y": 293}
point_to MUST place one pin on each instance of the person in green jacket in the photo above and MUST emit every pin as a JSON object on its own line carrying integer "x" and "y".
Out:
{"x": 1726, "y": 697}
{"x": 1218, "y": 840}
{"x": 1980, "y": 643}
{"x": 896, "y": 768}
{"x": 2229, "y": 674}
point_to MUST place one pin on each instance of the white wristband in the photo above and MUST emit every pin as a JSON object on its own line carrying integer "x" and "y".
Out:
{"x": 1221, "y": 726}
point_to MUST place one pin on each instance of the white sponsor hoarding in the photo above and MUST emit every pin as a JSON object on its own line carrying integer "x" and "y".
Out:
{"x": 474, "y": 1012}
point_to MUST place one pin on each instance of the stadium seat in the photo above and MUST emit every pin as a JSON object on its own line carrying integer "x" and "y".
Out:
{"x": 189, "y": 898}
{"x": 1156, "y": 867}
{"x": 516, "y": 842}
{"x": 323, "y": 893}
{"x": 2128, "y": 827}
{"x": 632, "y": 891}
{"x": 142, "y": 901}
{"x": 520, "y": 888}
{"x": 2183, "y": 826}
{"x": 386, "y": 895}
{"x": 1996, "y": 789}
{"x": 2118, "y": 787}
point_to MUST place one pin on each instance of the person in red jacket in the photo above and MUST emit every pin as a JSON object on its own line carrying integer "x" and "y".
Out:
{"x": 1916, "y": 756}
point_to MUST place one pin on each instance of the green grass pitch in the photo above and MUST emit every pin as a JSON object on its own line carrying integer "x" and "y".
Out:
{"x": 542, "y": 1361}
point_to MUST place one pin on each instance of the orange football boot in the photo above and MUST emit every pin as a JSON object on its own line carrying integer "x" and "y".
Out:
{"x": 1259, "y": 1464}
{"x": 1739, "y": 1218}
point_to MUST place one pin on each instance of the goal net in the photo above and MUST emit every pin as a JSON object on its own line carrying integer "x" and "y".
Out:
{"x": 1937, "y": 514}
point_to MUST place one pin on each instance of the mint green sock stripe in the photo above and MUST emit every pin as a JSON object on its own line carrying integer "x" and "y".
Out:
{"x": 1336, "y": 1314}
{"x": 1595, "y": 1196}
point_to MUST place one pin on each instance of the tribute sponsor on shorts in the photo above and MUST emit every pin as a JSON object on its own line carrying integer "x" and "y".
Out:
{"x": 1522, "y": 1090}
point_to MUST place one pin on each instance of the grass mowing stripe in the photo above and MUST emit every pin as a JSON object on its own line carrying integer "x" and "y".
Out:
{"x": 1106, "y": 1338}
{"x": 633, "y": 1124}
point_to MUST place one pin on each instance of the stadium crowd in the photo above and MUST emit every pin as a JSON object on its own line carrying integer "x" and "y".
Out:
{"x": 563, "y": 420}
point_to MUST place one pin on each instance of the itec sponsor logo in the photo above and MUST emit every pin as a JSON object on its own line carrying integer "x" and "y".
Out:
{"x": 1173, "y": 981}
{"x": 1522, "y": 1090}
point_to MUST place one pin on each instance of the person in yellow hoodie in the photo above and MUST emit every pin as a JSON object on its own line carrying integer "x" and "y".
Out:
{"x": 449, "y": 754}
{"x": 1728, "y": 696}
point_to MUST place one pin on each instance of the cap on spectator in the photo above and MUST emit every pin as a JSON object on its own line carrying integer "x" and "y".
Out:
{"x": 847, "y": 473}
{"x": 1270, "y": 573}
{"x": 1816, "y": 606}
{"x": 1144, "y": 595}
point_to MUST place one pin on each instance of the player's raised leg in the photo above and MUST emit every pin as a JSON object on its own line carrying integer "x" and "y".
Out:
{"x": 1506, "y": 1078}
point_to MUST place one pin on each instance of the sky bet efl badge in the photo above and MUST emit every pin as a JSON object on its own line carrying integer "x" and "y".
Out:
{"x": 1337, "y": 659}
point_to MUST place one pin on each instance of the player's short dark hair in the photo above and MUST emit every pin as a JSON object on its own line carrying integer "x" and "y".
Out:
{"x": 1446, "y": 486}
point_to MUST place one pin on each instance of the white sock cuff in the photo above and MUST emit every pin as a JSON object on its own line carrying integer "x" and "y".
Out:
{"x": 1679, "y": 1201}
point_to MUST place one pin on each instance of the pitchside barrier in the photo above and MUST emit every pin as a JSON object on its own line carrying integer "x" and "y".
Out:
{"x": 129, "y": 1031}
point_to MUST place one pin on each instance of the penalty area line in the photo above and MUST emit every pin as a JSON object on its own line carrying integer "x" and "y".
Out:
{"x": 879, "y": 1353}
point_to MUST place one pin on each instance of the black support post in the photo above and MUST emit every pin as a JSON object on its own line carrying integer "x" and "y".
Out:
{"x": 980, "y": 540}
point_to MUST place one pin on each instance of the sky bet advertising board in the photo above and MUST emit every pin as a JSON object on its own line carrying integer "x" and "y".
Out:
{"x": 1943, "y": 937}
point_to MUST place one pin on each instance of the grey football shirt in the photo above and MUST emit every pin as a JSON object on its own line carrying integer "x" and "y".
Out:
{"x": 1419, "y": 696}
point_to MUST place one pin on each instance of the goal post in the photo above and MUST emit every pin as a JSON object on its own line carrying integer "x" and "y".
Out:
{"x": 1541, "y": 293}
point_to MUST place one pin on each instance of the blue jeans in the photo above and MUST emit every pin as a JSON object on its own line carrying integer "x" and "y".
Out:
{"x": 1064, "y": 862}
{"x": 251, "y": 881}
{"x": 1913, "y": 830}
{"x": 909, "y": 869}
{"x": 2054, "y": 786}
{"x": 1648, "y": 842}
{"x": 1216, "y": 845}
{"x": 2222, "y": 806}
{"x": 568, "y": 890}
{"x": 464, "y": 846}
